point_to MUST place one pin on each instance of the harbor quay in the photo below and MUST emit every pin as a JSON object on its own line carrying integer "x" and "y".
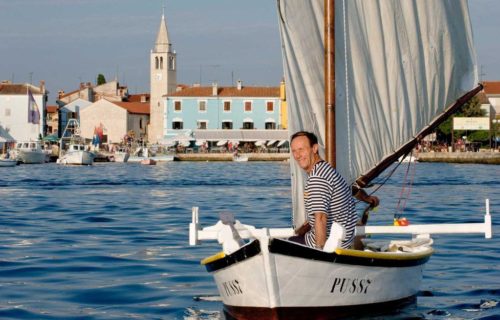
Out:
{"x": 482, "y": 157}
{"x": 203, "y": 157}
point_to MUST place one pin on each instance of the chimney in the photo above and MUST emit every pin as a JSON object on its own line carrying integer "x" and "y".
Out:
{"x": 215, "y": 89}
{"x": 238, "y": 84}
{"x": 143, "y": 98}
{"x": 60, "y": 94}
{"x": 42, "y": 86}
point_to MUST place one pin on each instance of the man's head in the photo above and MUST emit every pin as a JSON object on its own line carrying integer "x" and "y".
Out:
{"x": 305, "y": 149}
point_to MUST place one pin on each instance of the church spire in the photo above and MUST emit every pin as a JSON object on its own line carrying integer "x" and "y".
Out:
{"x": 162, "y": 43}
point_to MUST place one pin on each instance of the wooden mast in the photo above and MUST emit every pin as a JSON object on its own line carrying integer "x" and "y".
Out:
{"x": 329, "y": 72}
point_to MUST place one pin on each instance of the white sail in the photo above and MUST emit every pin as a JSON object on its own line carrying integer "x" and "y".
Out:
{"x": 398, "y": 65}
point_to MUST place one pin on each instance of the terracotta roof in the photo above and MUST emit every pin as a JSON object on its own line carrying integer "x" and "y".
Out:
{"x": 228, "y": 92}
{"x": 134, "y": 107}
{"x": 138, "y": 97}
{"x": 51, "y": 109}
{"x": 7, "y": 88}
{"x": 491, "y": 87}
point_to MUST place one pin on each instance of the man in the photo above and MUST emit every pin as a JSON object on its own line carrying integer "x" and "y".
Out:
{"x": 327, "y": 197}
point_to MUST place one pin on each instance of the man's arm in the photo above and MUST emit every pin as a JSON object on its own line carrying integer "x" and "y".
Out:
{"x": 361, "y": 195}
{"x": 320, "y": 229}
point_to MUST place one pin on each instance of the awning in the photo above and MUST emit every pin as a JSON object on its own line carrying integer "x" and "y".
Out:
{"x": 221, "y": 143}
{"x": 282, "y": 142}
{"x": 199, "y": 143}
{"x": 260, "y": 143}
{"x": 271, "y": 142}
{"x": 241, "y": 135}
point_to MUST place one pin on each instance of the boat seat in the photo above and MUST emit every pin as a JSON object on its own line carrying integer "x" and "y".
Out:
{"x": 414, "y": 245}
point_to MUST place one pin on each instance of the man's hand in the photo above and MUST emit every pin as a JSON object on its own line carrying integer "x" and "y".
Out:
{"x": 373, "y": 201}
{"x": 303, "y": 229}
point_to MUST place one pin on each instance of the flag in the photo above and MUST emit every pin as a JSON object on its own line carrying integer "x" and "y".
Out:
{"x": 33, "y": 111}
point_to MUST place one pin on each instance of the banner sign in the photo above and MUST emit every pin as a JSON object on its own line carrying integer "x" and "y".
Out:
{"x": 477, "y": 123}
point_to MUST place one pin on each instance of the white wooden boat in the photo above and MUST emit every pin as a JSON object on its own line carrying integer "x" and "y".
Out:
{"x": 76, "y": 153}
{"x": 387, "y": 97}
{"x": 29, "y": 152}
{"x": 121, "y": 155}
{"x": 240, "y": 158}
{"x": 8, "y": 162}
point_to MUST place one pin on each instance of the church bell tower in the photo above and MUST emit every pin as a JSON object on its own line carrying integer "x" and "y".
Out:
{"x": 163, "y": 75}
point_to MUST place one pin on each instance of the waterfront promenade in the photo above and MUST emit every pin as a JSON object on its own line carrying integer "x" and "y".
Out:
{"x": 482, "y": 157}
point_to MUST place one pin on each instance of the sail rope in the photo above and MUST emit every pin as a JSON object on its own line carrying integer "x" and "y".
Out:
{"x": 406, "y": 188}
{"x": 348, "y": 114}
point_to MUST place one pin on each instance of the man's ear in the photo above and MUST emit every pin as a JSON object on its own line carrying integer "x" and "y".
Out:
{"x": 315, "y": 148}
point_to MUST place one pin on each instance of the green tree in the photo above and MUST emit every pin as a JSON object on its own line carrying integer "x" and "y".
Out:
{"x": 470, "y": 109}
{"x": 101, "y": 79}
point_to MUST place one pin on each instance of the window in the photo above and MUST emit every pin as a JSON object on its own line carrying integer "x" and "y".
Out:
{"x": 247, "y": 125}
{"x": 270, "y": 106}
{"x": 7, "y": 112}
{"x": 227, "y": 125}
{"x": 248, "y": 106}
{"x": 177, "y": 125}
{"x": 177, "y": 106}
{"x": 270, "y": 125}
{"x": 202, "y": 106}
{"x": 140, "y": 123}
{"x": 227, "y": 106}
{"x": 202, "y": 125}
{"x": 161, "y": 62}
{"x": 157, "y": 64}
{"x": 171, "y": 63}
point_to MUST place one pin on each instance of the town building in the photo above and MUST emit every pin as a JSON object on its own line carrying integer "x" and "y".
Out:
{"x": 163, "y": 75}
{"x": 71, "y": 111}
{"x": 116, "y": 119}
{"x": 213, "y": 113}
{"x": 112, "y": 91}
{"x": 52, "y": 118}
{"x": 492, "y": 91}
{"x": 22, "y": 111}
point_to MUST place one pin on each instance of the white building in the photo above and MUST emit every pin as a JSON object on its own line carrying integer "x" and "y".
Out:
{"x": 14, "y": 111}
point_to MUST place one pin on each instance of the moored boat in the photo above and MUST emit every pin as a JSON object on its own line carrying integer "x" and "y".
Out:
{"x": 29, "y": 152}
{"x": 76, "y": 153}
{"x": 8, "y": 162}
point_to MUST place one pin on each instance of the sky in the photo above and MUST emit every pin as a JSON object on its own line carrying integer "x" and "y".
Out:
{"x": 65, "y": 42}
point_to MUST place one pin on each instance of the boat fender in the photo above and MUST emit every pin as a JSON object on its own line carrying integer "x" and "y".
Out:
{"x": 334, "y": 241}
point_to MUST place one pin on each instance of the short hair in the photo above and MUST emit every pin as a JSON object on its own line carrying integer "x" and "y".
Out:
{"x": 310, "y": 136}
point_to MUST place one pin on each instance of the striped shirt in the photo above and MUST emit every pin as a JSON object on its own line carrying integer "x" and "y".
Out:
{"x": 326, "y": 191}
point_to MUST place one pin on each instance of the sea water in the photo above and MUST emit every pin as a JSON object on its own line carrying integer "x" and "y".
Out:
{"x": 110, "y": 241}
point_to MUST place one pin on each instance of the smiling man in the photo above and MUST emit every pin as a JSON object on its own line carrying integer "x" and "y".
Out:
{"x": 327, "y": 197}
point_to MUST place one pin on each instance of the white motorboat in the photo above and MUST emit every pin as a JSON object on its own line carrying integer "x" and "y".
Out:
{"x": 8, "y": 162}
{"x": 387, "y": 98}
{"x": 76, "y": 153}
{"x": 142, "y": 153}
{"x": 121, "y": 156}
{"x": 240, "y": 158}
{"x": 29, "y": 152}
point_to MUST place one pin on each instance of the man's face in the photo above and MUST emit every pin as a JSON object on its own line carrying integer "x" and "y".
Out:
{"x": 303, "y": 153}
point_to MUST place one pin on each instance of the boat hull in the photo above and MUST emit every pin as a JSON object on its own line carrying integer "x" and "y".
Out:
{"x": 121, "y": 156}
{"x": 77, "y": 158}
{"x": 31, "y": 157}
{"x": 270, "y": 280}
{"x": 8, "y": 163}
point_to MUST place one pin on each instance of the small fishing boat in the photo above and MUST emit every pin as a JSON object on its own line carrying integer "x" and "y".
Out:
{"x": 29, "y": 152}
{"x": 121, "y": 155}
{"x": 397, "y": 81}
{"x": 240, "y": 158}
{"x": 76, "y": 153}
{"x": 148, "y": 162}
{"x": 8, "y": 162}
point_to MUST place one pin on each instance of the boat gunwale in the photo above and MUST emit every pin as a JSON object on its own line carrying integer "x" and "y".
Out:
{"x": 340, "y": 256}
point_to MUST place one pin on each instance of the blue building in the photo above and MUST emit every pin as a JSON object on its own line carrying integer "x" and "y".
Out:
{"x": 225, "y": 113}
